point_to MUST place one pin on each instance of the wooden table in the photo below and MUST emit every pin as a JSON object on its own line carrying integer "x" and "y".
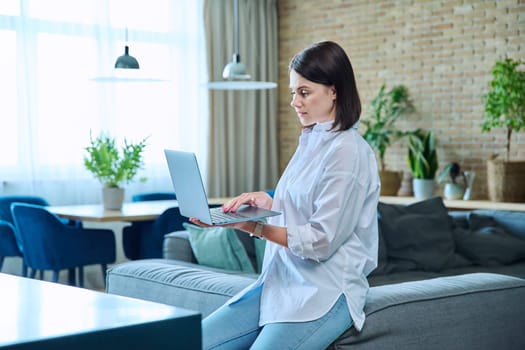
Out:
{"x": 43, "y": 315}
{"x": 459, "y": 204}
{"x": 133, "y": 211}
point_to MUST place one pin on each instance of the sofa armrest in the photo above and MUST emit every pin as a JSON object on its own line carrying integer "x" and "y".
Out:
{"x": 177, "y": 246}
{"x": 176, "y": 283}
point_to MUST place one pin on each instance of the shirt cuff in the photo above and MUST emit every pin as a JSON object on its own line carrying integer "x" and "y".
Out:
{"x": 299, "y": 247}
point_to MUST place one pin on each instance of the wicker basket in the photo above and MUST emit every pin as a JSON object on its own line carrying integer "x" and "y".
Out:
{"x": 390, "y": 182}
{"x": 506, "y": 180}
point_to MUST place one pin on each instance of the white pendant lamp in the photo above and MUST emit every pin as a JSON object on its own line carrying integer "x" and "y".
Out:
{"x": 234, "y": 73}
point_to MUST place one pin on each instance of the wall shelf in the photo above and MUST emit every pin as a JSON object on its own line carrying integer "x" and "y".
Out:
{"x": 459, "y": 204}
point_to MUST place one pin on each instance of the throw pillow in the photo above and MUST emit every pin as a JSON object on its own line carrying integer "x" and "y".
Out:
{"x": 260, "y": 247}
{"x": 486, "y": 243}
{"x": 218, "y": 247}
{"x": 382, "y": 256}
{"x": 418, "y": 236}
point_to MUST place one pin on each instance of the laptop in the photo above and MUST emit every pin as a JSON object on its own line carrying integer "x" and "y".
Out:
{"x": 191, "y": 195}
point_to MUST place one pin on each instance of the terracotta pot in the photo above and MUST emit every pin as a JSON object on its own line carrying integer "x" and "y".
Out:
{"x": 390, "y": 182}
{"x": 506, "y": 180}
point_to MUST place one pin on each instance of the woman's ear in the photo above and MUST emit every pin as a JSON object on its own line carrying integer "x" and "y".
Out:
{"x": 333, "y": 93}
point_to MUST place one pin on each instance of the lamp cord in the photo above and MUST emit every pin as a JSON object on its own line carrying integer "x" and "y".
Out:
{"x": 236, "y": 26}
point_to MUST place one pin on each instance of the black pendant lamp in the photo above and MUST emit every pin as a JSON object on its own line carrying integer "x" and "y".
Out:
{"x": 126, "y": 61}
{"x": 127, "y": 70}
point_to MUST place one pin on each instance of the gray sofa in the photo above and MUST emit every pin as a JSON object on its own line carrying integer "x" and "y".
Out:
{"x": 426, "y": 293}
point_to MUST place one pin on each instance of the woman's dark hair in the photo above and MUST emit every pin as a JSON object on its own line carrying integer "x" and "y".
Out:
{"x": 327, "y": 63}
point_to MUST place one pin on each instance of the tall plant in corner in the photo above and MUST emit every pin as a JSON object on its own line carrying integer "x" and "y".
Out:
{"x": 505, "y": 100}
{"x": 505, "y": 108}
{"x": 380, "y": 132}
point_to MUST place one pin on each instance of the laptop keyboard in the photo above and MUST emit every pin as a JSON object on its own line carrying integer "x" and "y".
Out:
{"x": 218, "y": 216}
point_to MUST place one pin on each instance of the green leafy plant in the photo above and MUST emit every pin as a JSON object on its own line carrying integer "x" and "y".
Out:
{"x": 505, "y": 100}
{"x": 452, "y": 173}
{"x": 385, "y": 109}
{"x": 110, "y": 166}
{"x": 422, "y": 155}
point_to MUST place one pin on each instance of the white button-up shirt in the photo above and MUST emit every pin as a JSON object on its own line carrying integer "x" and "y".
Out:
{"x": 328, "y": 197}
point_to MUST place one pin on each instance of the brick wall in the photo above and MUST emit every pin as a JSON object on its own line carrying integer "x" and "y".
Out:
{"x": 442, "y": 51}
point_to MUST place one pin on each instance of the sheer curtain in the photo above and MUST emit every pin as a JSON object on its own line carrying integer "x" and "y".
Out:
{"x": 244, "y": 135}
{"x": 51, "y": 52}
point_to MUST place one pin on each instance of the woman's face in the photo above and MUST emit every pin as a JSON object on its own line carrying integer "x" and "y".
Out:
{"x": 313, "y": 102}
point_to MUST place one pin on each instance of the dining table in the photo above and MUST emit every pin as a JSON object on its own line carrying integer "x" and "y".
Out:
{"x": 130, "y": 211}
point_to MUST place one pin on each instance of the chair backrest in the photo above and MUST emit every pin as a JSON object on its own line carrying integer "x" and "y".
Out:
{"x": 36, "y": 230}
{"x": 153, "y": 196}
{"x": 9, "y": 243}
{"x": 6, "y": 201}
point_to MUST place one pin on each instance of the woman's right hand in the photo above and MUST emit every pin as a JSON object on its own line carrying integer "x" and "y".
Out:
{"x": 259, "y": 199}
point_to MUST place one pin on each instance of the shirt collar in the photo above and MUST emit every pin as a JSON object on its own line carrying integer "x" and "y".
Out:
{"x": 319, "y": 127}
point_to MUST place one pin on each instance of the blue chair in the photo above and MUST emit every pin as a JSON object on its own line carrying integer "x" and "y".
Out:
{"x": 49, "y": 244}
{"x": 153, "y": 196}
{"x": 144, "y": 239}
{"x": 8, "y": 244}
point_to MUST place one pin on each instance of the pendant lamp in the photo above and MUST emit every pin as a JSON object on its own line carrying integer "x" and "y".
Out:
{"x": 126, "y": 61}
{"x": 234, "y": 73}
{"x": 127, "y": 70}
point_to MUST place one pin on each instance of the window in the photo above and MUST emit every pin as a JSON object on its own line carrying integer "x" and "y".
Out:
{"x": 53, "y": 50}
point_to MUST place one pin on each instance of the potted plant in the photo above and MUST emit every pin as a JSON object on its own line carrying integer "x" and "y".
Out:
{"x": 112, "y": 167}
{"x": 505, "y": 108}
{"x": 380, "y": 133}
{"x": 454, "y": 179}
{"x": 423, "y": 162}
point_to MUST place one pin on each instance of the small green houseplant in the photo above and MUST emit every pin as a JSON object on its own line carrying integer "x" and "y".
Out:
{"x": 423, "y": 162}
{"x": 380, "y": 131}
{"x": 505, "y": 108}
{"x": 114, "y": 167}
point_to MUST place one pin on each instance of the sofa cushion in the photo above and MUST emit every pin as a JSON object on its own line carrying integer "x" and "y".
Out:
{"x": 473, "y": 311}
{"x": 486, "y": 243}
{"x": 510, "y": 221}
{"x": 218, "y": 247}
{"x": 418, "y": 236}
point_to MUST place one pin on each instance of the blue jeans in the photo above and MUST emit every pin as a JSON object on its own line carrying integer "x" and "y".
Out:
{"x": 236, "y": 326}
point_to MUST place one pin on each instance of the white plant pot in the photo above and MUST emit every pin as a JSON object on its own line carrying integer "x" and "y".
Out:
{"x": 423, "y": 188}
{"x": 112, "y": 198}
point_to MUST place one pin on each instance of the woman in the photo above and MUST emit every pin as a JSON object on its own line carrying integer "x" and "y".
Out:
{"x": 313, "y": 282}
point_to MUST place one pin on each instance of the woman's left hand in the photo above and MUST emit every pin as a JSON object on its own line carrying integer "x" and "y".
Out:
{"x": 243, "y": 226}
